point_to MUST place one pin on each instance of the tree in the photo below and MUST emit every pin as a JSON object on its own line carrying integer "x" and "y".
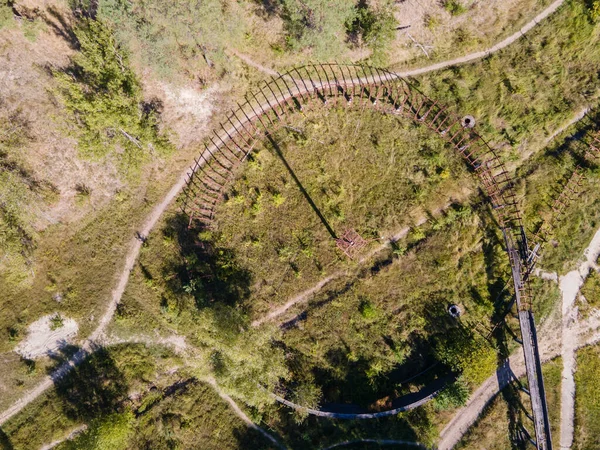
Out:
{"x": 467, "y": 353}
{"x": 318, "y": 24}
{"x": 104, "y": 95}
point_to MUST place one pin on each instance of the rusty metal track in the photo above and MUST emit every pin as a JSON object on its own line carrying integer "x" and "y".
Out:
{"x": 359, "y": 86}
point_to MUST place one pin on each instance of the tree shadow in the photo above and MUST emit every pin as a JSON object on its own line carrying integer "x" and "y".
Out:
{"x": 268, "y": 8}
{"x": 5, "y": 443}
{"x": 318, "y": 432}
{"x": 61, "y": 26}
{"x": 249, "y": 438}
{"x": 277, "y": 150}
{"x": 205, "y": 269}
{"x": 94, "y": 387}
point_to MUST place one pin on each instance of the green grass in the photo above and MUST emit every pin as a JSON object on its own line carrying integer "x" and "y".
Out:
{"x": 267, "y": 244}
{"x": 129, "y": 396}
{"x": 591, "y": 291}
{"x": 454, "y": 7}
{"x": 523, "y": 93}
{"x": 587, "y": 403}
{"x": 493, "y": 428}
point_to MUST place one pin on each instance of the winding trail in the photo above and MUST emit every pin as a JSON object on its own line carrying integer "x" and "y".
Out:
{"x": 306, "y": 295}
{"x": 570, "y": 285}
{"x": 241, "y": 413}
{"x": 444, "y": 64}
{"x": 135, "y": 245}
{"x": 574, "y": 336}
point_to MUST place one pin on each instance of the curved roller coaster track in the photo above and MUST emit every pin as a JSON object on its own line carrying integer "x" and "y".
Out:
{"x": 359, "y": 86}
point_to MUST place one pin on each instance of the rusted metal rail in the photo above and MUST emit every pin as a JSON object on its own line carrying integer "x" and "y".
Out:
{"x": 359, "y": 86}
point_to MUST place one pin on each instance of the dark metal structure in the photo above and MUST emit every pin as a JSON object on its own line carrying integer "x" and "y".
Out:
{"x": 360, "y": 86}
{"x": 350, "y": 243}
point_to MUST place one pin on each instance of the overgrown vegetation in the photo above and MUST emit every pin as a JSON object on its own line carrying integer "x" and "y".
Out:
{"x": 6, "y": 13}
{"x": 587, "y": 402}
{"x": 454, "y": 7}
{"x": 130, "y": 396}
{"x": 19, "y": 193}
{"x": 591, "y": 292}
{"x": 105, "y": 98}
{"x": 359, "y": 338}
{"x": 551, "y": 75}
{"x": 179, "y": 37}
{"x": 320, "y": 25}
{"x": 498, "y": 427}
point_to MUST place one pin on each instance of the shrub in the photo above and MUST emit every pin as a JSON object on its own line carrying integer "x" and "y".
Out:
{"x": 105, "y": 97}
{"x": 454, "y": 7}
{"x": 467, "y": 353}
{"x": 6, "y": 13}
{"x": 454, "y": 395}
{"x": 56, "y": 322}
{"x": 318, "y": 24}
{"x": 595, "y": 10}
{"x": 375, "y": 26}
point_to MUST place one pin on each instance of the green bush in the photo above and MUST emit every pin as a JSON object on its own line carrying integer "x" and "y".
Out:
{"x": 591, "y": 289}
{"x": 318, "y": 24}
{"x": 454, "y": 7}
{"x": 468, "y": 354}
{"x": 104, "y": 95}
{"x": 6, "y": 13}
{"x": 375, "y": 26}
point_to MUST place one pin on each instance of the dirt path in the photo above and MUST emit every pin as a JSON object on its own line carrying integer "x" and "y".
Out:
{"x": 241, "y": 413}
{"x": 570, "y": 284}
{"x": 444, "y": 64}
{"x": 136, "y": 245}
{"x": 573, "y": 335}
{"x": 586, "y": 333}
{"x": 72, "y": 435}
{"x": 306, "y": 295}
{"x": 87, "y": 346}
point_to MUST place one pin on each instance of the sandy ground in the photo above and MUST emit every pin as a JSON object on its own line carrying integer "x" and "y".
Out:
{"x": 175, "y": 342}
{"x": 570, "y": 284}
{"x": 41, "y": 340}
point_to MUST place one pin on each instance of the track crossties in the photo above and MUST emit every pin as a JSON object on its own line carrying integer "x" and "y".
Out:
{"x": 357, "y": 86}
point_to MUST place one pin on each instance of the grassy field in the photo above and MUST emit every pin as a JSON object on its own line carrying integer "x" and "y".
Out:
{"x": 130, "y": 396}
{"x": 268, "y": 244}
{"x": 370, "y": 327}
{"x": 550, "y": 77}
{"x": 498, "y": 422}
{"x": 587, "y": 406}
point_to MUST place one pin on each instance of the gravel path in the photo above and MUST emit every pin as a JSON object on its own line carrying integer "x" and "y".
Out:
{"x": 136, "y": 244}
{"x": 570, "y": 284}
